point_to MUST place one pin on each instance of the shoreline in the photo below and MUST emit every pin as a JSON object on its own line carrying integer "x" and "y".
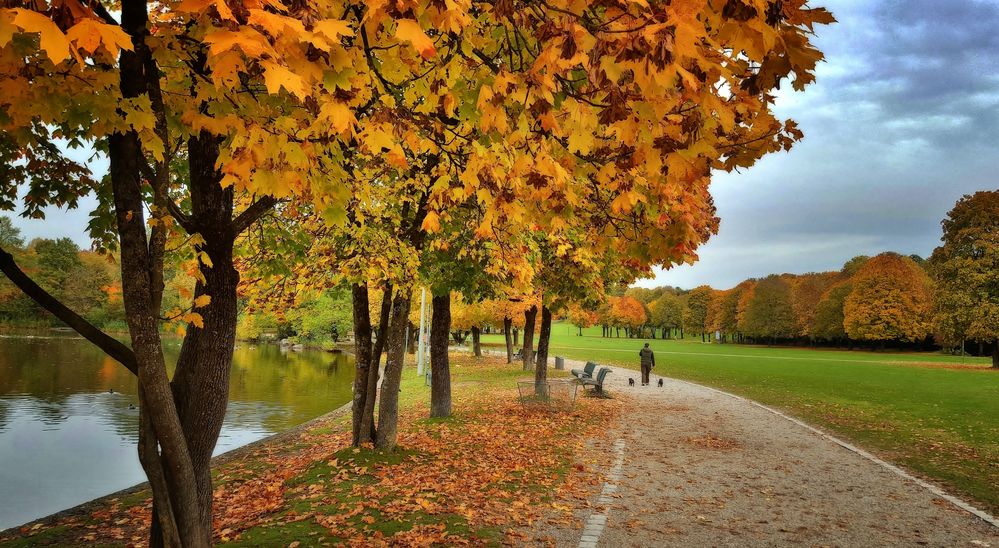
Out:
{"x": 86, "y": 508}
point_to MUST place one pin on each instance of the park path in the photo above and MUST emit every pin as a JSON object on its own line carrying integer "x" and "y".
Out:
{"x": 698, "y": 467}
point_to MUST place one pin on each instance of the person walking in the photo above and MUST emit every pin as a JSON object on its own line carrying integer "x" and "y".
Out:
{"x": 648, "y": 362}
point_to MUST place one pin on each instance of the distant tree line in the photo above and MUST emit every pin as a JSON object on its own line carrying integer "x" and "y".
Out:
{"x": 949, "y": 301}
{"x": 86, "y": 281}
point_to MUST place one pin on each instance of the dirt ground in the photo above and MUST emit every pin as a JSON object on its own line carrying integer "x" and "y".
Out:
{"x": 704, "y": 469}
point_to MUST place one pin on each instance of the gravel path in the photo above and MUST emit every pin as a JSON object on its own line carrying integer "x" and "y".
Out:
{"x": 701, "y": 468}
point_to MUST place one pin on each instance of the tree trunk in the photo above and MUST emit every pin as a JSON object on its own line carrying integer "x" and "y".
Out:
{"x": 201, "y": 380}
{"x": 516, "y": 337}
{"x": 541, "y": 359}
{"x": 476, "y": 343}
{"x": 507, "y": 326}
{"x": 181, "y": 517}
{"x": 580, "y": 330}
{"x": 995, "y": 354}
{"x": 440, "y": 368}
{"x": 368, "y": 431}
{"x": 529, "y": 316}
{"x": 362, "y": 358}
{"x": 411, "y": 338}
{"x": 388, "y": 403}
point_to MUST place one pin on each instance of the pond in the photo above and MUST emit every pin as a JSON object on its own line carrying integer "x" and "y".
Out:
{"x": 68, "y": 414}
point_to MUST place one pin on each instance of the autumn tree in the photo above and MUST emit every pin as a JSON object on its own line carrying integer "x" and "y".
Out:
{"x": 966, "y": 271}
{"x": 570, "y": 271}
{"x": 629, "y": 313}
{"x": 769, "y": 313}
{"x": 827, "y": 322}
{"x": 210, "y": 114}
{"x": 806, "y": 293}
{"x": 509, "y": 314}
{"x": 695, "y": 313}
{"x": 891, "y": 300}
{"x": 713, "y": 320}
{"x": 667, "y": 313}
{"x": 582, "y": 317}
{"x": 728, "y": 315}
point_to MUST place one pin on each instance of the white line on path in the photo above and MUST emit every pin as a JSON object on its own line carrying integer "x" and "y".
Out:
{"x": 598, "y": 519}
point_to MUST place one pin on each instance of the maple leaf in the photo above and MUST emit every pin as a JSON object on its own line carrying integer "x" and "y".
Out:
{"x": 277, "y": 77}
{"x": 333, "y": 29}
{"x": 53, "y": 41}
{"x": 410, "y": 31}
{"x": 431, "y": 223}
{"x": 194, "y": 319}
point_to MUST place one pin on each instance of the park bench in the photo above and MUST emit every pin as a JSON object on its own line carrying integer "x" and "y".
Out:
{"x": 596, "y": 382}
{"x": 586, "y": 372}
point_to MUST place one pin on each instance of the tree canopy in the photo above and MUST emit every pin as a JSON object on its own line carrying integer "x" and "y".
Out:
{"x": 966, "y": 270}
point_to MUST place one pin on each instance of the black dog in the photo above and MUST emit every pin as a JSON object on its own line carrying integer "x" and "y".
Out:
{"x": 660, "y": 383}
{"x": 631, "y": 382}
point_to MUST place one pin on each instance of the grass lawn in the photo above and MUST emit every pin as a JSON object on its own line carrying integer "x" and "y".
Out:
{"x": 938, "y": 415}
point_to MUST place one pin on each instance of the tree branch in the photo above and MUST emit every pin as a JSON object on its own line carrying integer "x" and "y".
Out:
{"x": 252, "y": 213}
{"x": 182, "y": 218}
{"x": 113, "y": 347}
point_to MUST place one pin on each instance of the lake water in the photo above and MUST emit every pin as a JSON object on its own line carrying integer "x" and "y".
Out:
{"x": 68, "y": 428}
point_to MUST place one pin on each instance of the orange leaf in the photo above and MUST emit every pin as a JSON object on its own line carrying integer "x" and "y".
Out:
{"x": 410, "y": 31}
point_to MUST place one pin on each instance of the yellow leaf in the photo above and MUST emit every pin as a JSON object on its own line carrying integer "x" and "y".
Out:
{"x": 85, "y": 35}
{"x": 397, "y": 157}
{"x": 194, "y": 6}
{"x": 276, "y": 77}
{"x": 432, "y": 222}
{"x": 224, "y": 11}
{"x": 275, "y": 24}
{"x": 7, "y": 28}
{"x": 195, "y": 319}
{"x": 249, "y": 40}
{"x": 339, "y": 116}
{"x": 409, "y": 30}
{"x": 333, "y": 28}
{"x": 202, "y": 301}
{"x": 53, "y": 41}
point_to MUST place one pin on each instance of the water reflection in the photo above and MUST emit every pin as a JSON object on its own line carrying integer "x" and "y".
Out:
{"x": 68, "y": 422}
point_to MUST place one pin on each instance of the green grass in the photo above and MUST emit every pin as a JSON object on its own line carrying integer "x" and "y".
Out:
{"x": 936, "y": 414}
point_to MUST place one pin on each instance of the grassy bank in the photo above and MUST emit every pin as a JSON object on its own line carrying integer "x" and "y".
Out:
{"x": 936, "y": 414}
{"x": 478, "y": 477}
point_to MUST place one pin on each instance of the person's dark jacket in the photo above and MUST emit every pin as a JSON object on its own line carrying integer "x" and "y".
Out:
{"x": 648, "y": 357}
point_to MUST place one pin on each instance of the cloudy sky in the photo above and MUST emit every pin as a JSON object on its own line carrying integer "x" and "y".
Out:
{"x": 903, "y": 121}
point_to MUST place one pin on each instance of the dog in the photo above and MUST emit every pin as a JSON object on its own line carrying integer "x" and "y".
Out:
{"x": 660, "y": 383}
{"x": 631, "y": 381}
